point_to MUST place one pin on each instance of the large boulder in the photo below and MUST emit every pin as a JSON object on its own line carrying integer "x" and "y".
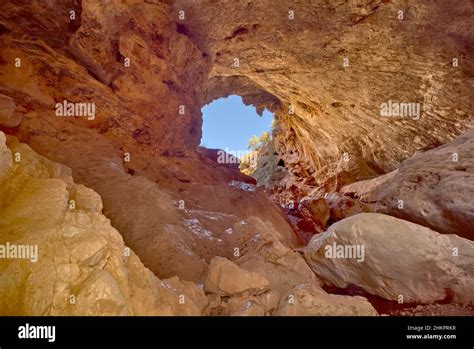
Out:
{"x": 394, "y": 259}
{"x": 315, "y": 209}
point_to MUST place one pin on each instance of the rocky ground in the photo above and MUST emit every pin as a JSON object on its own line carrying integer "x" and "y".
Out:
{"x": 131, "y": 217}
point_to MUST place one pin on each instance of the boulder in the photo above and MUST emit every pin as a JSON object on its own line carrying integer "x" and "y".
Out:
{"x": 5, "y": 156}
{"x": 393, "y": 258}
{"x": 226, "y": 278}
{"x": 432, "y": 188}
{"x": 342, "y": 206}
{"x": 283, "y": 267}
{"x": 311, "y": 300}
{"x": 368, "y": 191}
{"x": 250, "y": 308}
{"x": 318, "y": 207}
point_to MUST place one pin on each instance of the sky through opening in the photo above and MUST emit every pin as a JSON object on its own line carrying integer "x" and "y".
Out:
{"x": 229, "y": 123}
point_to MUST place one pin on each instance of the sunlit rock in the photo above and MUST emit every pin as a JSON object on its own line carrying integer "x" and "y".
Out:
{"x": 224, "y": 277}
{"x": 310, "y": 300}
{"x": 74, "y": 262}
{"x": 394, "y": 259}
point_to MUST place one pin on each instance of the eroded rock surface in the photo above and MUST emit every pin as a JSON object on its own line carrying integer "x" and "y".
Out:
{"x": 436, "y": 188}
{"x": 333, "y": 130}
{"x": 432, "y": 188}
{"x": 226, "y": 278}
{"x": 390, "y": 258}
{"x": 310, "y": 300}
{"x": 8, "y": 118}
{"x": 82, "y": 266}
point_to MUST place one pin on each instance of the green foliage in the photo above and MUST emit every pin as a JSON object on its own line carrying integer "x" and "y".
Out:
{"x": 256, "y": 143}
{"x": 265, "y": 137}
{"x": 253, "y": 142}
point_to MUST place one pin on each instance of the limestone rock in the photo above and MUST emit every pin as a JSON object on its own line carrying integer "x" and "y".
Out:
{"x": 310, "y": 300}
{"x": 186, "y": 297}
{"x": 226, "y": 278}
{"x": 240, "y": 306}
{"x": 368, "y": 190}
{"x": 160, "y": 217}
{"x": 398, "y": 258}
{"x": 250, "y": 308}
{"x": 8, "y": 117}
{"x": 5, "y": 156}
{"x": 432, "y": 188}
{"x": 264, "y": 254}
{"x": 329, "y": 128}
{"x": 436, "y": 310}
{"x": 342, "y": 206}
{"x": 81, "y": 266}
{"x": 436, "y": 188}
{"x": 269, "y": 300}
{"x": 263, "y": 304}
{"x": 318, "y": 209}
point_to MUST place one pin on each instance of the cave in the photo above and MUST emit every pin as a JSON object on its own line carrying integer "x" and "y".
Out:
{"x": 133, "y": 215}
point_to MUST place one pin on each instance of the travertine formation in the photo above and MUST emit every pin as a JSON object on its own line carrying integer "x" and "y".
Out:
{"x": 141, "y": 72}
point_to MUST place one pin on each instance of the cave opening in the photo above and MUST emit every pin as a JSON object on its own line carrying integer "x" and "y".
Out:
{"x": 237, "y": 129}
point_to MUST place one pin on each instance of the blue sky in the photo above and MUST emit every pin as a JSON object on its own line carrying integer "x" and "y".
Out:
{"x": 228, "y": 123}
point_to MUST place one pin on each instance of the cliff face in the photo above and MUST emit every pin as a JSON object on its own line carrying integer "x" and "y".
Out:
{"x": 144, "y": 69}
{"x": 127, "y": 58}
